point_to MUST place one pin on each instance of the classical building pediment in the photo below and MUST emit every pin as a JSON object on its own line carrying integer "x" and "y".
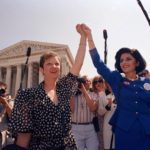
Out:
{"x": 19, "y": 49}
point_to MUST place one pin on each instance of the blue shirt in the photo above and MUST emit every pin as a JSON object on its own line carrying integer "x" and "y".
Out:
{"x": 133, "y": 97}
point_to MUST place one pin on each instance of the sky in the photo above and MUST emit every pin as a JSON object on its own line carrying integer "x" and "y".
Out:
{"x": 54, "y": 21}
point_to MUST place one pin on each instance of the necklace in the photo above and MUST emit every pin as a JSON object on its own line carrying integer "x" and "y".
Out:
{"x": 133, "y": 79}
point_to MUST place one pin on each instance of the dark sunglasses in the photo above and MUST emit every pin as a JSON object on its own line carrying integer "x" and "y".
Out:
{"x": 98, "y": 81}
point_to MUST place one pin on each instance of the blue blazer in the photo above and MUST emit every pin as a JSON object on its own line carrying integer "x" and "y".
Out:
{"x": 133, "y": 97}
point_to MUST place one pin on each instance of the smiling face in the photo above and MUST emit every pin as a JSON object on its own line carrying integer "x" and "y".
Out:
{"x": 98, "y": 84}
{"x": 139, "y": 63}
{"x": 51, "y": 67}
{"x": 128, "y": 63}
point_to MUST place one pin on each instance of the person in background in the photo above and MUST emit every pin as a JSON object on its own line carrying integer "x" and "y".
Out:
{"x": 145, "y": 73}
{"x": 6, "y": 105}
{"x": 98, "y": 86}
{"x": 131, "y": 120}
{"x": 83, "y": 107}
{"x": 106, "y": 107}
{"x": 41, "y": 117}
{"x": 109, "y": 109}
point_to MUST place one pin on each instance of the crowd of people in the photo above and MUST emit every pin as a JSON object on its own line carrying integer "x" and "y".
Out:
{"x": 110, "y": 111}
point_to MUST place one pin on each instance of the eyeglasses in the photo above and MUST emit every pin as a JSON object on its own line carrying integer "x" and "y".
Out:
{"x": 98, "y": 81}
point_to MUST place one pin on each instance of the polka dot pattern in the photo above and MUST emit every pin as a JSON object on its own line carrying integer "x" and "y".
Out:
{"x": 49, "y": 124}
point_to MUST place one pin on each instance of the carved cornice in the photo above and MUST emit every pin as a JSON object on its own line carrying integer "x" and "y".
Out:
{"x": 11, "y": 53}
{"x": 18, "y": 50}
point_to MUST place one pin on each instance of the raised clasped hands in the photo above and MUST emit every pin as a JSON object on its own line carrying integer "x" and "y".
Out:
{"x": 83, "y": 29}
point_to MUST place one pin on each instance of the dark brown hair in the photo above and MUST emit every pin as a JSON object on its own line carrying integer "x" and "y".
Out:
{"x": 135, "y": 53}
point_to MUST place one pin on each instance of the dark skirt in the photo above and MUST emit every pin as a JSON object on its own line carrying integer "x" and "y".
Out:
{"x": 134, "y": 139}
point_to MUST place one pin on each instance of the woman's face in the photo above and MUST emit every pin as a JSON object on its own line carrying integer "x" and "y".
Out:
{"x": 87, "y": 83}
{"x": 99, "y": 85}
{"x": 51, "y": 68}
{"x": 128, "y": 63}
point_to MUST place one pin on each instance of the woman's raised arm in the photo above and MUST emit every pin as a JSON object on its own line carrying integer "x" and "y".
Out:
{"x": 81, "y": 51}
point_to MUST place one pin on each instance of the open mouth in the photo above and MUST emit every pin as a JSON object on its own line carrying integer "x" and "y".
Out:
{"x": 125, "y": 67}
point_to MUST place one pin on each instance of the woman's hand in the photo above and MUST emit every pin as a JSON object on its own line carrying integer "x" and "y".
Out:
{"x": 83, "y": 29}
{"x": 8, "y": 107}
{"x": 86, "y": 30}
{"x": 2, "y": 100}
{"x": 110, "y": 101}
{"x": 88, "y": 34}
{"x": 79, "y": 29}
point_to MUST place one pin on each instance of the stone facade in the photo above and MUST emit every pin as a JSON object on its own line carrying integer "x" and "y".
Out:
{"x": 13, "y": 58}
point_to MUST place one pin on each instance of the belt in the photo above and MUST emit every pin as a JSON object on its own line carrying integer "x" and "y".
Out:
{"x": 84, "y": 123}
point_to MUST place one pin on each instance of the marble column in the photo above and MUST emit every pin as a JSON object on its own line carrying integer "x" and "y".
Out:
{"x": 8, "y": 78}
{"x": 30, "y": 72}
{"x": 63, "y": 69}
{"x": 40, "y": 76}
{"x": 67, "y": 67}
{"x": 18, "y": 77}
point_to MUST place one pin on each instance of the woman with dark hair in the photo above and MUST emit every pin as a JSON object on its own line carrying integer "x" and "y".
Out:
{"x": 131, "y": 120}
{"x": 141, "y": 64}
